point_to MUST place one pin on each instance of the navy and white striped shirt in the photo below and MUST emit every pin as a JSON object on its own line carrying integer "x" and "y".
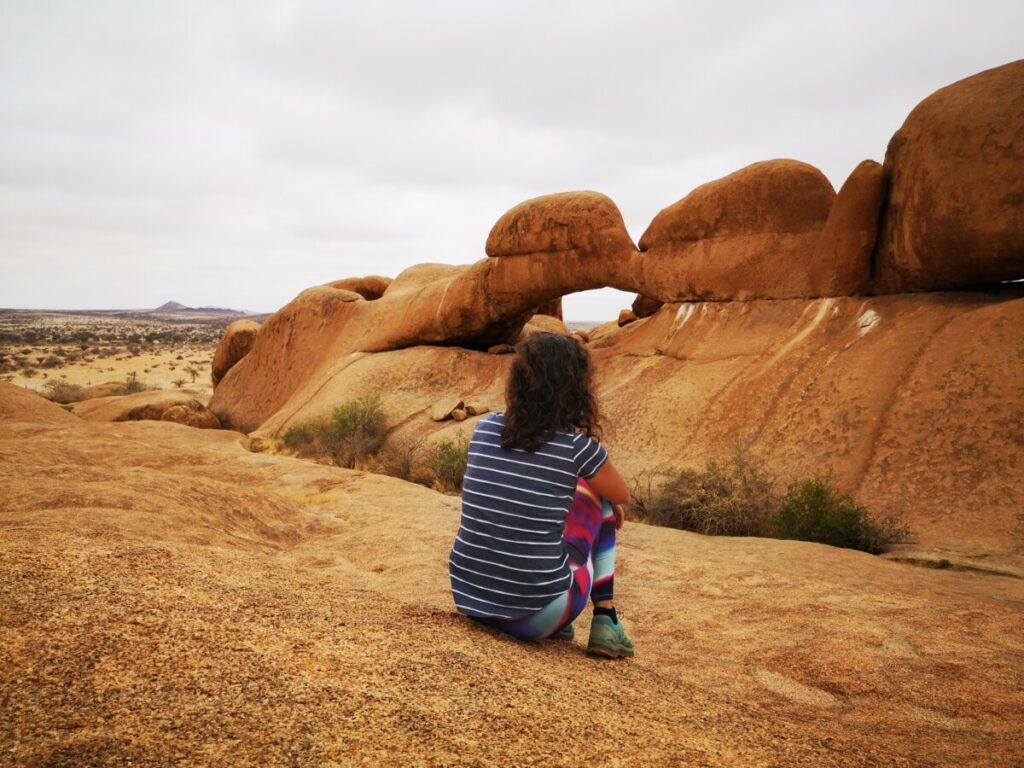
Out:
{"x": 509, "y": 559}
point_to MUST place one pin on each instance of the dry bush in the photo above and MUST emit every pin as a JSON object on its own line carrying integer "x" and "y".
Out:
{"x": 63, "y": 392}
{"x": 734, "y": 498}
{"x": 738, "y": 497}
{"x": 403, "y": 459}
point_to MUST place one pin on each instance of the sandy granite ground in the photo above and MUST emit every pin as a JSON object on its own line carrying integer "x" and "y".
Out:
{"x": 169, "y": 598}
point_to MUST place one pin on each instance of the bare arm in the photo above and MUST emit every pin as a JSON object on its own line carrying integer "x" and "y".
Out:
{"x": 609, "y": 483}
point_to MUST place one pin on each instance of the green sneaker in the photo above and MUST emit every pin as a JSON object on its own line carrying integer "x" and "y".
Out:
{"x": 565, "y": 633}
{"x": 608, "y": 639}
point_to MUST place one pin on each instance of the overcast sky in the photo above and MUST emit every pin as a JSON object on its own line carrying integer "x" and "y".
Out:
{"x": 235, "y": 153}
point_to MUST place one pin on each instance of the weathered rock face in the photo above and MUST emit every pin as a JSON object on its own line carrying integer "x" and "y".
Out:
{"x": 552, "y": 308}
{"x": 179, "y": 405}
{"x": 191, "y": 414}
{"x": 955, "y": 210}
{"x": 20, "y": 404}
{"x": 544, "y": 324}
{"x": 586, "y": 222}
{"x": 644, "y": 306}
{"x": 911, "y": 401}
{"x": 914, "y": 402}
{"x": 783, "y": 197}
{"x": 842, "y": 256}
{"x": 751, "y": 234}
{"x": 233, "y": 346}
{"x": 370, "y": 288}
{"x": 626, "y": 316}
{"x": 293, "y": 346}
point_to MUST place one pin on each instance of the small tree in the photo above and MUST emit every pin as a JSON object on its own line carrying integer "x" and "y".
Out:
{"x": 193, "y": 372}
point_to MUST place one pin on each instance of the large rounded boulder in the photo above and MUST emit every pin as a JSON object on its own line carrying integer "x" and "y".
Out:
{"x": 751, "y": 234}
{"x": 955, "y": 211}
{"x": 586, "y": 222}
{"x": 842, "y": 261}
{"x": 235, "y": 344}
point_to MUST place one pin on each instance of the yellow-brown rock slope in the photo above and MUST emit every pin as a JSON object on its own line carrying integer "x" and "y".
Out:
{"x": 168, "y": 597}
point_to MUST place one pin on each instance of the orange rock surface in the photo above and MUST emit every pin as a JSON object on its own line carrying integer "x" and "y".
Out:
{"x": 955, "y": 210}
{"x": 180, "y": 405}
{"x": 170, "y": 597}
{"x": 234, "y": 345}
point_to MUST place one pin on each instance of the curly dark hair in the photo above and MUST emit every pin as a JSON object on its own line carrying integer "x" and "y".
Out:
{"x": 549, "y": 390}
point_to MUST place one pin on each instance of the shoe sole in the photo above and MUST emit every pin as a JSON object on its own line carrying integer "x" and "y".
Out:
{"x": 608, "y": 653}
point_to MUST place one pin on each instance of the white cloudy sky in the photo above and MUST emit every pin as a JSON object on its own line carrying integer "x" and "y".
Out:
{"x": 234, "y": 153}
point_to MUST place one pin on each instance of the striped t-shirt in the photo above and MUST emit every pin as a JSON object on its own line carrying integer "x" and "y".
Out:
{"x": 509, "y": 559}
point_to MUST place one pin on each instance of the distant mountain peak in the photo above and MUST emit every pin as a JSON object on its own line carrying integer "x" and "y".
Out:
{"x": 170, "y": 306}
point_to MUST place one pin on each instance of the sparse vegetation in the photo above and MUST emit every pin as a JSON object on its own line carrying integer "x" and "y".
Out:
{"x": 813, "y": 510}
{"x": 735, "y": 498}
{"x": 739, "y": 498}
{"x": 403, "y": 459}
{"x": 355, "y": 431}
{"x": 131, "y": 384}
{"x": 446, "y": 460}
{"x": 63, "y": 392}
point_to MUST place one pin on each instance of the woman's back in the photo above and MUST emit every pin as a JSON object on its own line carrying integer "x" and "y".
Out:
{"x": 509, "y": 557}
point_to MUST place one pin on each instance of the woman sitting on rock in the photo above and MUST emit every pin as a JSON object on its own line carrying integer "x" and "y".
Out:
{"x": 540, "y": 506}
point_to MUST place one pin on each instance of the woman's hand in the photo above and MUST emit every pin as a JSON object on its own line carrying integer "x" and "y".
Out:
{"x": 620, "y": 515}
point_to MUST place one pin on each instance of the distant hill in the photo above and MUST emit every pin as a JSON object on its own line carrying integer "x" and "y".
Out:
{"x": 177, "y": 307}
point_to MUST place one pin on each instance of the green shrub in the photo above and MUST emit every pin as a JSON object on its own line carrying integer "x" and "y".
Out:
{"x": 813, "y": 510}
{"x": 354, "y": 432}
{"x": 446, "y": 460}
{"x": 735, "y": 498}
{"x": 739, "y": 498}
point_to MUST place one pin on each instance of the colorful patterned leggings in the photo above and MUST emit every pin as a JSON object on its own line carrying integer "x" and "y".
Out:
{"x": 590, "y": 540}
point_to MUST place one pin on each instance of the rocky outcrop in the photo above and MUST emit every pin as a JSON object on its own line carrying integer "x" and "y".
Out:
{"x": 773, "y": 230}
{"x": 370, "y": 288}
{"x": 751, "y": 234}
{"x": 841, "y": 265}
{"x": 585, "y": 222}
{"x": 644, "y": 306}
{"x": 178, "y": 405}
{"x": 552, "y": 308}
{"x": 20, "y": 404}
{"x": 192, "y": 414}
{"x": 233, "y": 346}
{"x": 955, "y": 210}
{"x": 544, "y": 324}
